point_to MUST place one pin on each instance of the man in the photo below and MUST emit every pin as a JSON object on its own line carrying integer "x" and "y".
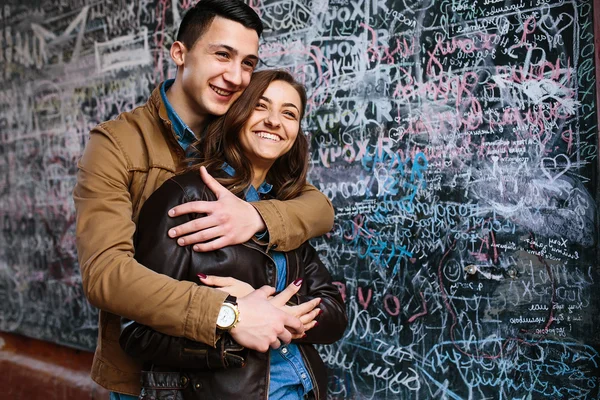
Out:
{"x": 128, "y": 158}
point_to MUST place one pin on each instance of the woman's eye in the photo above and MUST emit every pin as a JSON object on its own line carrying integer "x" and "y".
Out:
{"x": 222, "y": 54}
{"x": 290, "y": 114}
{"x": 261, "y": 105}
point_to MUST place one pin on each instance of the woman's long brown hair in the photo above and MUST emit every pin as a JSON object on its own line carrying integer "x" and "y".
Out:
{"x": 221, "y": 143}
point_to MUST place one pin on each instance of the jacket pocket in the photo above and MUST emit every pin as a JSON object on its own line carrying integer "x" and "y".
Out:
{"x": 227, "y": 354}
{"x": 158, "y": 385}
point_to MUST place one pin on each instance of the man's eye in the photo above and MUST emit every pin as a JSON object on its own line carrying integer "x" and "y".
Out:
{"x": 261, "y": 105}
{"x": 222, "y": 54}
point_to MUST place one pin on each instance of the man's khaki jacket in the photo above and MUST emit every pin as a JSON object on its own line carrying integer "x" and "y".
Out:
{"x": 124, "y": 162}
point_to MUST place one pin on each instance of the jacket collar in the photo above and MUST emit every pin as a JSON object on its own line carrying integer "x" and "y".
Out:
{"x": 159, "y": 106}
{"x": 250, "y": 193}
{"x": 185, "y": 136}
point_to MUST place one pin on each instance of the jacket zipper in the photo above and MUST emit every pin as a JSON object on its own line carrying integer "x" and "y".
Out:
{"x": 269, "y": 355}
{"x": 268, "y": 256}
{"x": 287, "y": 266}
{"x": 304, "y": 358}
{"x": 268, "y": 376}
{"x": 310, "y": 372}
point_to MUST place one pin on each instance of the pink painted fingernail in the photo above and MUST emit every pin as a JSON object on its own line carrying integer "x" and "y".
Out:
{"x": 181, "y": 242}
{"x": 172, "y": 233}
{"x": 172, "y": 213}
{"x": 202, "y": 276}
{"x": 297, "y": 282}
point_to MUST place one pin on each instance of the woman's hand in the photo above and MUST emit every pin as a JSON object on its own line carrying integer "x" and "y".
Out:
{"x": 229, "y": 285}
{"x": 307, "y": 312}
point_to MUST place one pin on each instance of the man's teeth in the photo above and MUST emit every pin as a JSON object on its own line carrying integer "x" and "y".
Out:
{"x": 269, "y": 136}
{"x": 221, "y": 91}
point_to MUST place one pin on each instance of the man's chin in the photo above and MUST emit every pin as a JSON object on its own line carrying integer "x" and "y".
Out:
{"x": 220, "y": 109}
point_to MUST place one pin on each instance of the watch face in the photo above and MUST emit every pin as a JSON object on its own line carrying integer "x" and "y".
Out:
{"x": 226, "y": 317}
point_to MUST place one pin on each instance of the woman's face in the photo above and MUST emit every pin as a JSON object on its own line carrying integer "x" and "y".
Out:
{"x": 272, "y": 128}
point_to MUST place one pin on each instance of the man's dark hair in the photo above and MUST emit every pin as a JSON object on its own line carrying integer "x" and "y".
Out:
{"x": 198, "y": 18}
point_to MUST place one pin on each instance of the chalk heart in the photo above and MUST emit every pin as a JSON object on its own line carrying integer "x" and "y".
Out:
{"x": 560, "y": 163}
{"x": 553, "y": 27}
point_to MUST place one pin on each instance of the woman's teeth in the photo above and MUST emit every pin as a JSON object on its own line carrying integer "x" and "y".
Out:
{"x": 269, "y": 136}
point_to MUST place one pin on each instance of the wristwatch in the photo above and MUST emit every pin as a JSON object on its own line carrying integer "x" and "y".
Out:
{"x": 229, "y": 315}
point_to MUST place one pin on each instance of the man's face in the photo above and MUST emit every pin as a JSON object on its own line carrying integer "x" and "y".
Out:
{"x": 217, "y": 69}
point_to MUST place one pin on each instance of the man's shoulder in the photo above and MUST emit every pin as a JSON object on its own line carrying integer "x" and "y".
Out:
{"x": 140, "y": 121}
{"x": 141, "y": 134}
{"x": 137, "y": 122}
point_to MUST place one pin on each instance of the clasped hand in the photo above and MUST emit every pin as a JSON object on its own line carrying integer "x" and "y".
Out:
{"x": 266, "y": 319}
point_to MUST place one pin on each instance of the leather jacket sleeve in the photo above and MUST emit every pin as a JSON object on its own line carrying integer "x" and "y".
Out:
{"x": 148, "y": 345}
{"x": 112, "y": 279}
{"x": 292, "y": 222}
{"x": 165, "y": 256}
{"x": 317, "y": 282}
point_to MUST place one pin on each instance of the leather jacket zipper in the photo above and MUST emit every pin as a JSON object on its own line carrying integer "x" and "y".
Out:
{"x": 269, "y": 257}
{"x": 306, "y": 363}
{"x": 268, "y": 375}
{"x": 310, "y": 371}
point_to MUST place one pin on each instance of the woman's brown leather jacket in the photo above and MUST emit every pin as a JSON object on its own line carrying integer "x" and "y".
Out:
{"x": 183, "y": 369}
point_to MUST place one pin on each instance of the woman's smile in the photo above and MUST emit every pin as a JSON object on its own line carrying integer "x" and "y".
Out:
{"x": 273, "y": 126}
{"x": 268, "y": 136}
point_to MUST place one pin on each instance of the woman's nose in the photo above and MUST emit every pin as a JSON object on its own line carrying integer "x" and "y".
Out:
{"x": 272, "y": 119}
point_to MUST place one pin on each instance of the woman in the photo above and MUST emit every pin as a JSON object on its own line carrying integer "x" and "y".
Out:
{"x": 257, "y": 150}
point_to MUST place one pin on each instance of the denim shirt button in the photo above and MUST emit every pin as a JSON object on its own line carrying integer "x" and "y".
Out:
{"x": 303, "y": 376}
{"x": 284, "y": 350}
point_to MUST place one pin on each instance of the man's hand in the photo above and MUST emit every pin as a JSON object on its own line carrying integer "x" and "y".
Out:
{"x": 229, "y": 285}
{"x": 262, "y": 325}
{"x": 229, "y": 220}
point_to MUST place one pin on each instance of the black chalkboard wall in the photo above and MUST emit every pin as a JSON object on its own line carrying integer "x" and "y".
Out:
{"x": 456, "y": 139}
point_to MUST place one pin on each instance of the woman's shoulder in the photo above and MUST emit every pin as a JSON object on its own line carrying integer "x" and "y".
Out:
{"x": 192, "y": 185}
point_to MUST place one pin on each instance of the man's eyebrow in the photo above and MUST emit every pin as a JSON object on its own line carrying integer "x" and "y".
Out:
{"x": 284, "y": 104}
{"x": 232, "y": 50}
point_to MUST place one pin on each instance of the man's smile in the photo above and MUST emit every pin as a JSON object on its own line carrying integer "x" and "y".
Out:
{"x": 221, "y": 92}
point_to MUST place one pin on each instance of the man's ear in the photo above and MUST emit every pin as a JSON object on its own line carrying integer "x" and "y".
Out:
{"x": 178, "y": 52}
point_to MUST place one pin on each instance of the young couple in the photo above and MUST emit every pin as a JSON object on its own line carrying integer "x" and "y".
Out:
{"x": 190, "y": 309}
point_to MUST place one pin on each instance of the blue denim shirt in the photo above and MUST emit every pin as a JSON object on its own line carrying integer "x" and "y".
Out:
{"x": 289, "y": 376}
{"x": 185, "y": 136}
